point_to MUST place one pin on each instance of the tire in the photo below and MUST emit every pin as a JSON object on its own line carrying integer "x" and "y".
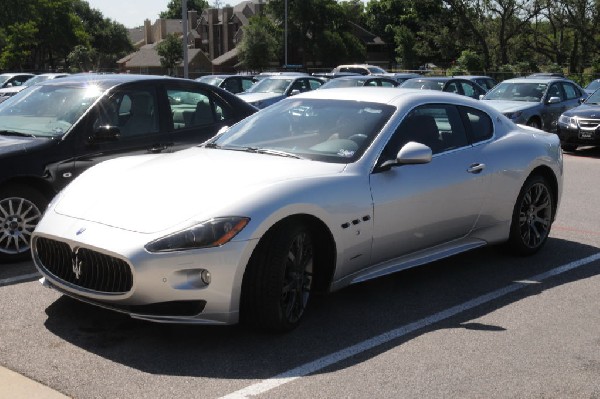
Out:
{"x": 533, "y": 122}
{"x": 532, "y": 217}
{"x": 568, "y": 147}
{"x": 21, "y": 209}
{"x": 278, "y": 279}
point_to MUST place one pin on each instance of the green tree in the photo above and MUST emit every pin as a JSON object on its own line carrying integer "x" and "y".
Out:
{"x": 18, "y": 44}
{"x": 170, "y": 51}
{"x": 258, "y": 46}
{"x": 470, "y": 61}
{"x": 174, "y": 8}
{"x": 82, "y": 57}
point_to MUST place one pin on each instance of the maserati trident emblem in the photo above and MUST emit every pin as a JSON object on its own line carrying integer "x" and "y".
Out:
{"x": 76, "y": 263}
{"x": 81, "y": 230}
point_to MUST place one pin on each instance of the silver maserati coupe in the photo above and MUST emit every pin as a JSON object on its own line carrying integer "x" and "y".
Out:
{"x": 319, "y": 191}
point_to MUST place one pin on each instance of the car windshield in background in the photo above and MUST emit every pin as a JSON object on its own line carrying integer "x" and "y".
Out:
{"x": 211, "y": 80}
{"x": 46, "y": 111}
{"x": 36, "y": 79}
{"x": 593, "y": 85}
{"x": 594, "y": 99}
{"x": 345, "y": 83}
{"x": 375, "y": 70}
{"x": 532, "y": 92}
{"x": 335, "y": 131}
{"x": 423, "y": 84}
{"x": 269, "y": 85}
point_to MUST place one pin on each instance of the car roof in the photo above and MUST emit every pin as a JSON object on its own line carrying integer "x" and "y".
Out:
{"x": 537, "y": 79}
{"x": 17, "y": 74}
{"x": 105, "y": 80}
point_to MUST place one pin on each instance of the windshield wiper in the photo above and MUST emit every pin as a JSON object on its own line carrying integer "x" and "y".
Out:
{"x": 13, "y": 133}
{"x": 271, "y": 151}
{"x": 212, "y": 145}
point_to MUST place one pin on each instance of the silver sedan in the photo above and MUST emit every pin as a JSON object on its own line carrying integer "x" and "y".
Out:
{"x": 320, "y": 191}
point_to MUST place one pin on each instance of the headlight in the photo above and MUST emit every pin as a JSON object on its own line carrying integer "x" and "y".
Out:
{"x": 513, "y": 115}
{"x": 212, "y": 233}
{"x": 569, "y": 121}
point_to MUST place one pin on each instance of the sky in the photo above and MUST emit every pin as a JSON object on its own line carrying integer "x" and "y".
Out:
{"x": 132, "y": 13}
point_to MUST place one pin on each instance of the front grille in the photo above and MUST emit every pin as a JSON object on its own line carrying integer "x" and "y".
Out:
{"x": 84, "y": 267}
{"x": 589, "y": 124}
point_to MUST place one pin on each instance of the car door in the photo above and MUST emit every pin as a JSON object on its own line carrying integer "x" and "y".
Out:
{"x": 194, "y": 114}
{"x": 424, "y": 205}
{"x": 553, "y": 110}
{"x": 125, "y": 122}
{"x": 471, "y": 89}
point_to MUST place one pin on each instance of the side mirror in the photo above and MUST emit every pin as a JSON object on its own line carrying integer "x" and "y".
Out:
{"x": 105, "y": 134}
{"x": 554, "y": 100}
{"x": 481, "y": 96}
{"x": 294, "y": 92}
{"x": 411, "y": 153}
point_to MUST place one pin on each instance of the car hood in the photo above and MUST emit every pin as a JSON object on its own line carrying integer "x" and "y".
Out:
{"x": 254, "y": 97}
{"x": 149, "y": 194}
{"x": 511, "y": 106}
{"x": 14, "y": 145}
{"x": 585, "y": 111}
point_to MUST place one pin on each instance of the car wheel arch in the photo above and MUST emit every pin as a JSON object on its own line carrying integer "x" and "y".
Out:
{"x": 40, "y": 185}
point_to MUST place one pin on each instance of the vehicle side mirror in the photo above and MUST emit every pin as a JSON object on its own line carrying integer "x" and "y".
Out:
{"x": 554, "y": 100}
{"x": 481, "y": 96}
{"x": 411, "y": 153}
{"x": 105, "y": 133}
{"x": 294, "y": 92}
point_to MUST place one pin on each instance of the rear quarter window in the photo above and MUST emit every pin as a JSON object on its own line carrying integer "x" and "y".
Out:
{"x": 478, "y": 124}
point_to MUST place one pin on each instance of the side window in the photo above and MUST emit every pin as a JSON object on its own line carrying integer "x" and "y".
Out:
{"x": 438, "y": 126}
{"x": 233, "y": 85}
{"x": 386, "y": 83}
{"x": 468, "y": 90}
{"x": 571, "y": 92}
{"x": 554, "y": 91}
{"x": 452, "y": 87}
{"x": 246, "y": 84}
{"x": 478, "y": 123}
{"x": 371, "y": 83}
{"x": 194, "y": 108}
{"x": 134, "y": 112}
{"x": 314, "y": 84}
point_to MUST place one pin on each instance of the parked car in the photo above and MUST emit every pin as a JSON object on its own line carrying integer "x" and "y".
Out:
{"x": 275, "y": 88}
{"x": 232, "y": 83}
{"x": 448, "y": 84}
{"x": 11, "y": 91}
{"x": 536, "y": 102}
{"x": 363, "y": 69}
{"x": 486, "y": 82}
{"x": 317, "y": 192}
{"x": 53, "y": 131}
{"x": 401, "y": 77}
{"x": 360, "y": 80}
{"x": 14, "y": 79}
{"x": 581, "y": 125}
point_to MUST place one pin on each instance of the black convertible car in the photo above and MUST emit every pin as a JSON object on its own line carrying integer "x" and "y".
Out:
{"x": 52, "y": 132}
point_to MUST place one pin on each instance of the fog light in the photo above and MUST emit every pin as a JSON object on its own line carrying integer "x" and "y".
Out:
{"x": 205, "y": 276}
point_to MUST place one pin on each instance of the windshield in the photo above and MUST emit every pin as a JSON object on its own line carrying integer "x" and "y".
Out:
{"x": 335, "y": 131}
{"x": 3, "y": 79}
{"x": 375, "y": 70}
{"x": 593, "y": 85}
{"x": 211, "y": 80}
{"x": 270, "y": 85}
{"x": 343, "y": 83}
{"x": 36, "y": 79}
{"x": 46, "y": 111}
{"x": 594, "y": 99}
{"x": 508, "y": 91}
{"x": 423, "y": 84}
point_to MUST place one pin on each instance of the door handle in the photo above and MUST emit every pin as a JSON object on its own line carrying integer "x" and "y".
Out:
{"x": 476, "y": 168}
{"x": 157, "y": 148}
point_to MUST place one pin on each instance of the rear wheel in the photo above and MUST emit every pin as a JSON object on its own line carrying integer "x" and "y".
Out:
{"x": 534, "y": 122}
{"x": 532, "y": 216}
{"x": 278, "y": 279}
{"x": 21, "y": 209}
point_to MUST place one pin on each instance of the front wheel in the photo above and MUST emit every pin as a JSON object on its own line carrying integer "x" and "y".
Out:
{"x": 21, "y": 209}
{"x": 532, "y": 217}
{"x": 278, "y": 279}
{"x": 533, "y": 122}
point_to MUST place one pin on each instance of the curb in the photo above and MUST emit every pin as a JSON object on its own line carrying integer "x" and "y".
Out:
{"x": 15, "y": 386}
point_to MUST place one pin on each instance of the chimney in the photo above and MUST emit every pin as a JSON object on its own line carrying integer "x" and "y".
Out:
{"x": 192, "y": 20}
{"x": 227, "y": 13}
{"x": 162, "y": 29}
{"x": 148, "y": 36}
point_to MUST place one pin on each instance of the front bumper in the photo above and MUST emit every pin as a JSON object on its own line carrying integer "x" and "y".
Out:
{"x": 165, "y": 287}
{"x": 579, "y": 136}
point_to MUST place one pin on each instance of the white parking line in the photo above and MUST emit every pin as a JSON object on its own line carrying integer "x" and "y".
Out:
{"x": 336, "y": 357}
{"x": 23, "y": 277}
